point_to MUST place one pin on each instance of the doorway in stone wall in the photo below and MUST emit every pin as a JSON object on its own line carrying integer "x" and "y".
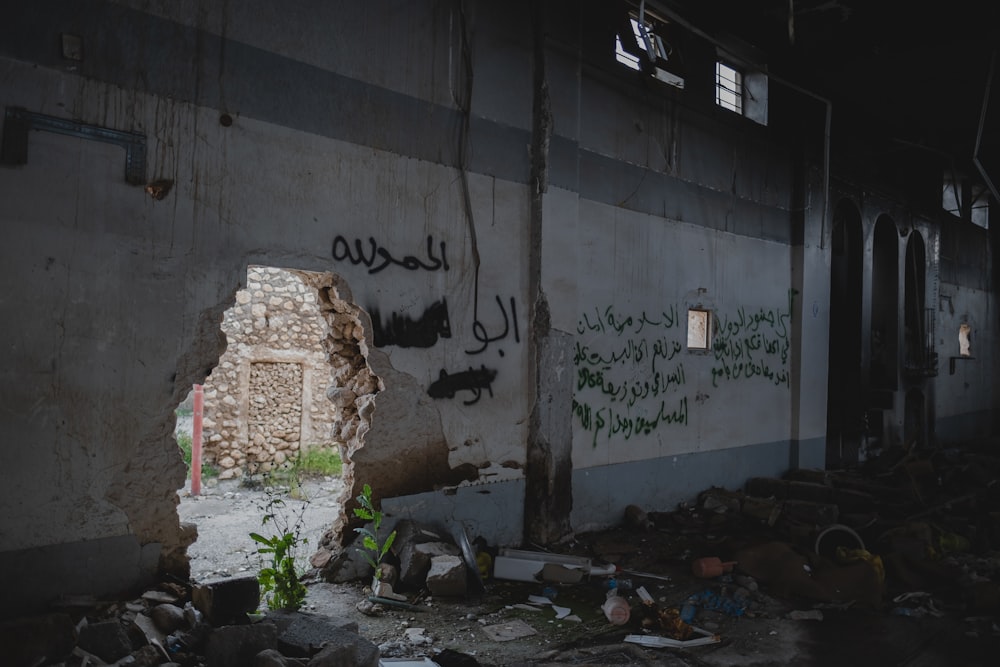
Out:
{"x": 280, "y": 420}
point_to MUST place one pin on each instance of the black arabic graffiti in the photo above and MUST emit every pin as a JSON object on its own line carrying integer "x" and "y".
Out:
{"x": 403, "y": 331}
{"x": 446, "y": 386}
{"x": 479, "y": 329}
{"x": 379, "y": 258}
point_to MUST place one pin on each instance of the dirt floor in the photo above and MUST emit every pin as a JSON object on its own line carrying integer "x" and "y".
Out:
{"x": 769, "y": 626}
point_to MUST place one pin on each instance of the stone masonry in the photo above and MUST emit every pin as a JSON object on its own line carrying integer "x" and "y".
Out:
{"x": 267, "y": 397}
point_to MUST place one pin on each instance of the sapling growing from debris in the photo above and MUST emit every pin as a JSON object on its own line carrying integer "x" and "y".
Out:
{"x": 279, "y": 579}
{"x": 373, "y": 552}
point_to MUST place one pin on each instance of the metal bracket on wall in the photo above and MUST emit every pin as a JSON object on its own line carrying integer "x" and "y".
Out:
{"x": 18, "y": 121}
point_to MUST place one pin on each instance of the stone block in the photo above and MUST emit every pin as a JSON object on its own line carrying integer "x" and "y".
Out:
{"x": 273, "y": 658}
{"x": 346, "y": 649}
{"x": 347, "y": 565}
{"x": 227, "y": 601}
{"x": 767, "y": 487}
{"x": 27, "y": 641}
{"x": 415, "y": 560}
{"x": 448, "y": 576}
{"x": 167, "y": 617}
{"x": 238, "y": 645}
{"x": 820, "y": 514}
{"x": 302, "y": 635}
{"x": 108, "y": 640}
{"x": 817, "y": 493}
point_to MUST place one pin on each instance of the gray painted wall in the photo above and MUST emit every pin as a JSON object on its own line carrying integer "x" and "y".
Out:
{"x": 371, "y": 144}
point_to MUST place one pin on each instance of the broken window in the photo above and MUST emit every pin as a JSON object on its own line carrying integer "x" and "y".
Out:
{"x": 699, "y": 329}
{"x": 642, "y": 44}
{"x": 966, "y": 198}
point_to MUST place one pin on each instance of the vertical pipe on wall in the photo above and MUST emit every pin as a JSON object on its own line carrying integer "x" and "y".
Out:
{"x": 199, "y": 400}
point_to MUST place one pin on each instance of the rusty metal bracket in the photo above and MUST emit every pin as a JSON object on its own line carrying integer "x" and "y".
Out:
{"x": 18, "y": 121}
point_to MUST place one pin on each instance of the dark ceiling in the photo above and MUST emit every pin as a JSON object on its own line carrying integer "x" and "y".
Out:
{"x": 915, "y": 71}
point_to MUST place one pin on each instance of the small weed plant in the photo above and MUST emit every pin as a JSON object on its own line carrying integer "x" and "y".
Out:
{"x": 373, "y": 551}
{"x": 278, "y": 576}
{"x": 185, "y": 445}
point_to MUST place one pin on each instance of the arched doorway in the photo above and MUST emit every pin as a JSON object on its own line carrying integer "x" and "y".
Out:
{"x": 845, "y": 408}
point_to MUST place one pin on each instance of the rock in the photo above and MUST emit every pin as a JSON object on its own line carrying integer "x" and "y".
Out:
{"x": 238, "y": 645}
{"x": 106, "y": 639}
{"x": 27, "y": 641}
{"x": 451, "y": 658}
{"x": 348, "y": 565}
{"x": 273, "y": 658}
{"x": 147, "y": 656}
{"x": 346, "y": 649}
{"x": 447, "y": 576}
{"x": 167, "y": 617}
{"x": 225, "y": 601}
{"x": 302, "y": 635}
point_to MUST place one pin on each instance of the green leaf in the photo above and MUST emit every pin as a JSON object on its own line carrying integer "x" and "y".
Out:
{"x": 257, "y": 537}
{"x": 388, "y": 543}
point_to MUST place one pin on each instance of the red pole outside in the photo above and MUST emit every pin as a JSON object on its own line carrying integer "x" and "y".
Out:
{"x": 199, "y": 401}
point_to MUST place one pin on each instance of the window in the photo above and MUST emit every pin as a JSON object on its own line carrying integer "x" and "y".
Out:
{"x": 699, "y": 329}
{"x": 966, "y": 198}
{"x": 646, "y": 42}
{"x": 728, "y": 88}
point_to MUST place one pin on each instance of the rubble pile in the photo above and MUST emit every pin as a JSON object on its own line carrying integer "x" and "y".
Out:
{"x": 911, "y": 532}
{"x": 215, "y": 624}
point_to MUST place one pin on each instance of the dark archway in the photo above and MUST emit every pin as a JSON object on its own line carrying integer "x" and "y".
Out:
{"x": 845, "y": 408}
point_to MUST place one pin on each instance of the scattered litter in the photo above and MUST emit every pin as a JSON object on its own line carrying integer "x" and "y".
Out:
{"x": 800, "y": 615}
{"x": 524, "y": 607}
{"x": 505, "y": 632}
{"x": 666, "y": 642}
{"x": 616, "y": 609}
{"x": 538, "y": 599}
{"x": 561, "y": 612}
{"x": 417, "y": 637}
{"x": 710, "y": 567}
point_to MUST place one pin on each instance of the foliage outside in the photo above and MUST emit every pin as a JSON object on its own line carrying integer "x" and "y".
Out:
{"x": 319, "y": 460}
{"x": 184, "y": 442}
{"x": 280, "y": 587}
{"x": 373, "y": 552}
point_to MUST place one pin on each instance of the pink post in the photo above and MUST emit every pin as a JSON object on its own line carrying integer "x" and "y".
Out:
{"x": 196, "y": 442}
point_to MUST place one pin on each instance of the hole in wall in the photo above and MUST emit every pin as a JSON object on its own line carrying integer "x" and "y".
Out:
{"x": 964, "y": 340}
{"x": 282, "y": 414}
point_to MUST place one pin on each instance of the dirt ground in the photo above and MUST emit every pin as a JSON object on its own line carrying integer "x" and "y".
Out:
{"x": 767, "y": 631}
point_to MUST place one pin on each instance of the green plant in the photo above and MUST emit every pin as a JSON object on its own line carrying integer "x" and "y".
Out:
{"x": 319, "y": 460}
{"x": 280, "y": 587}
{"x": 373, "y": 552}
{"x": 184, "y": 443}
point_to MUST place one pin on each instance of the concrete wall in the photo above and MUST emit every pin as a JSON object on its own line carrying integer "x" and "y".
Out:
{"x": 507, "y": 206}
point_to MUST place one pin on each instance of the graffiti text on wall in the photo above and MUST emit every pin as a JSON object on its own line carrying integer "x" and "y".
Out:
{"x": 377, "y": 257}
{"x": 404, "y": 331}
{"x": 629, "y": 378}
{"x": 447, "y": 385}
{"x": 481, "y": 335}
{"x": 752, "y": 344}
{"x": 616, "y": 422}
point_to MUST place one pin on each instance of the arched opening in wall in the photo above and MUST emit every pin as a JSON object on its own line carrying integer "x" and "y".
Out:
{"x": 915, "y": 419}
{"x": 845, "y": 408}
{"x": 882, "y": 363}
{"x": 284, "y": 408}
{"x": 919, "y": 357}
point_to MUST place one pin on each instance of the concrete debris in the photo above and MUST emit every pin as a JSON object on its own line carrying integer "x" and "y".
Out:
{"x": 105, "y": 639}
{"x": 226, "y": 601}
{"x": 238, "y": 645}
{"x": 168, "y": 618}
{"x": 448, "y": 576}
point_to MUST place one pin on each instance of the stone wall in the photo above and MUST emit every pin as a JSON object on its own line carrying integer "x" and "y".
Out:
{"x": 266, "y": 398}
